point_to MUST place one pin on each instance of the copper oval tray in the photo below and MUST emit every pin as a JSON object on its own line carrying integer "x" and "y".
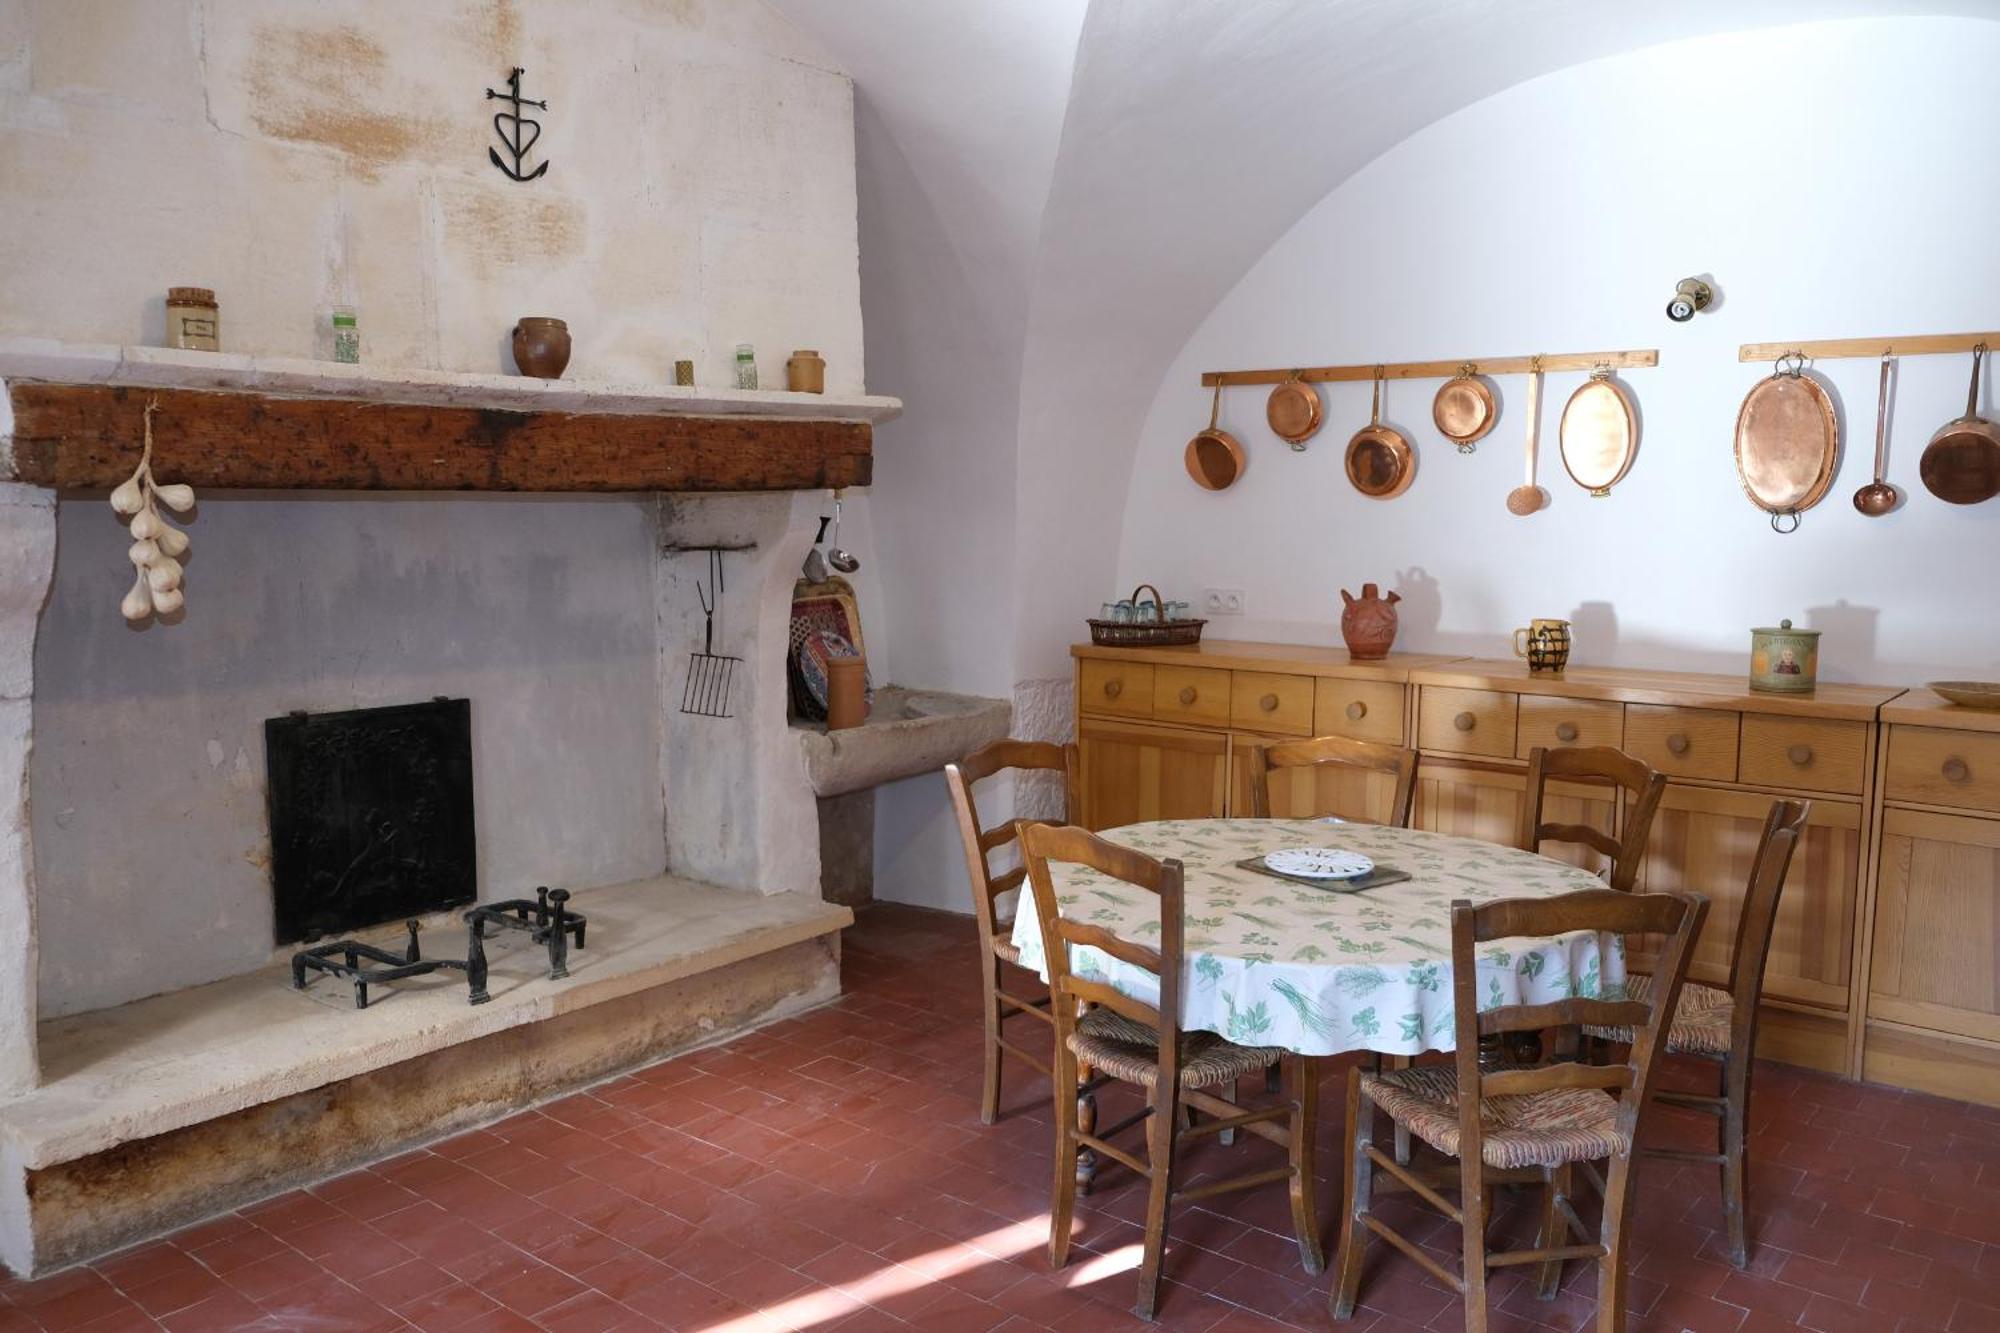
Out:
{"x": 1294, "y": 411}
{"x": 1463, "y": 410}
{"x": 1599, "y": 435}
{"x": 1787, "y": 443}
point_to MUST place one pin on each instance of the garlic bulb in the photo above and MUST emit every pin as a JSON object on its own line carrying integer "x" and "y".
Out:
{"x": 155, "y": 545}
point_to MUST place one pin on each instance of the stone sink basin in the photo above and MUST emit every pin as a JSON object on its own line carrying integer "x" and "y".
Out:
{"x": 908, "y": 732}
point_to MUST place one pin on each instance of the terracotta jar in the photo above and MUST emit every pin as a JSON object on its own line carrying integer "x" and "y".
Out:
{"x": 1368, "y": 623}
{"x": 541, "y": 346}
{"x": 805, "y": 371}
{"x": 846, "y": 692}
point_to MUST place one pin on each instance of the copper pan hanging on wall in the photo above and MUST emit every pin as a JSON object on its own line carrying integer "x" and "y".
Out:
{"x": 1787, "y": 443}
{"x": 1294, "y": 411}
{"x": 1464, "y": 409}
{"x": 1599, "y": 435}
{"x": 1214, "y": 458}
{"x": 1961, "y": 464}
{"x": 1380, "y": 462}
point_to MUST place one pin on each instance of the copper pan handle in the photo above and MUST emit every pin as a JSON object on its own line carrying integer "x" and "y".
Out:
{"x": 1882, "y": 415}
{"x": 1972, "y": 394}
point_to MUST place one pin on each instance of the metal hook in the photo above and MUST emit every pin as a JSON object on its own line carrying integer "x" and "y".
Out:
{"x": 1778, "y": 517}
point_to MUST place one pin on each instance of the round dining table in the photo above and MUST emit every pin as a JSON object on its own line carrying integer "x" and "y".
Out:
{"x": 1274, "y": 962}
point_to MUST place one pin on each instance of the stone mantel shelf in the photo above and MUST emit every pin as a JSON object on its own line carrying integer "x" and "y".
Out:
{"x": 70, "y": 418}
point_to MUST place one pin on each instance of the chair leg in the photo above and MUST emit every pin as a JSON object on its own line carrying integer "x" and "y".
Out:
{"x": 1472, "y": 1201}
{"x": 1067, "y": 1104}
{"x": 1735, "y": 1157}
{"x": 1402, "y": 1131}
{"x": 1305, "y": 1198}
{"x": 1554, "y": 1232}
{"x": 1086, "y": 1123}
{"x": 1611, "y": 1268}
{"x": 989, "y": 1097}
{"x": 1227, "y": 1091}
{"x": 1357, "y": 1186}
{"x": 1162, "y": 1135}
{"x": 1274, "y": 1078}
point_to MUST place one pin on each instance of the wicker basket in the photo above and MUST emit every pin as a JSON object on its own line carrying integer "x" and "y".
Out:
{"x": 1160, "y": 633}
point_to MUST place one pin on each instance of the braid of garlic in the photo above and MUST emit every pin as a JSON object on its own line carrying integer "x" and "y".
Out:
{"x": 156, "y": 547}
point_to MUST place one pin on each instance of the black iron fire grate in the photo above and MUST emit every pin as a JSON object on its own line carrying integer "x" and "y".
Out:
{"x": 343, "y": 958}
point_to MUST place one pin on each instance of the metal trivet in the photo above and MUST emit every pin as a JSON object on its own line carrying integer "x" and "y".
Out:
{"x": 547, "y": 920}
{"x": 320, "y": 958}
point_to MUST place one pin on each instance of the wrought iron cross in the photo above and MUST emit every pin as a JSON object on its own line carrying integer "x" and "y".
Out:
{"x": 515, "y": 143}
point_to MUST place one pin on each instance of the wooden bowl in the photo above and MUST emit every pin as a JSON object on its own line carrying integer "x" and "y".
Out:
{"x": 1970, "y": 693}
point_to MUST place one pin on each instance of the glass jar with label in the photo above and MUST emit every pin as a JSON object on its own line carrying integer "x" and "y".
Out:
{"x": 746, "y": 366}
{"x": 193, "y": 321}
{"x": 346, "y": 335}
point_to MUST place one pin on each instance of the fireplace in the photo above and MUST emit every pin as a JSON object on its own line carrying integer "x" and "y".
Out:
{"x": 371, "y": 816}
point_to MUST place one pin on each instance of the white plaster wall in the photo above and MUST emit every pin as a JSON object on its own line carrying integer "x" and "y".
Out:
{"x": 151, "y": 840}
{"x": 296, "y": 153}
{"x": 1800, "y": 167}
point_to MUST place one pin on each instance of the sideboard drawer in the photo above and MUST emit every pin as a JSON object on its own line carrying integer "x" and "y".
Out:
{"x": 1124, "y": 689}
{"x": 1934, "y": 766}
{"x": 1191, "y": 694}
{"x": 1683, "y": 742}
{"x": 1467, "y": 721}
{"x": 1362, "y": 710}
{"x": 1816, "y": 754}
{"x": 1267, "y": 701}
{"x": 1560, "y": 724}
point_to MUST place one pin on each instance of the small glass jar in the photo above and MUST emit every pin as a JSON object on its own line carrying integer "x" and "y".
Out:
{"x": 746, "y": 366}
{"x": 684, "y": 374}
{"x": 193, "y": 321}
{"x": 346, "y": 335}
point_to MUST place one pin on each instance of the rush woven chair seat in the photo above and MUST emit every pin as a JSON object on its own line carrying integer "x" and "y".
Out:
{"x": 1597, "y": 764}
{"x": 1546, "y": 1128}
{"x": 1129, "y": 1051}
{"x": 1335, "y": 755}
{"x": 1126, "y": 1039}
{"x": 1709, "y": 1024}
{"x": 995, "y": 930}
{"x": 1547, "y": 1124}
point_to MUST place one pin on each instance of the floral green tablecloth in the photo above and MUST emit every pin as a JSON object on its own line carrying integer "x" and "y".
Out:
{"x": 1274, "y": 963}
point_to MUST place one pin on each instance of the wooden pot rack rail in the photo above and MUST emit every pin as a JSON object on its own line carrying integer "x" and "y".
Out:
{"x": 1921, "y": 344}
{"x": 1437, "y": 370}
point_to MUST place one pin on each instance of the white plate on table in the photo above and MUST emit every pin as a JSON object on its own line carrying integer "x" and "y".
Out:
{"x": 1319, "y": 862}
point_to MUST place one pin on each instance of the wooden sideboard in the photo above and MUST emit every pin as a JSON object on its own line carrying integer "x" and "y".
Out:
{"x": 1901, "y": 861}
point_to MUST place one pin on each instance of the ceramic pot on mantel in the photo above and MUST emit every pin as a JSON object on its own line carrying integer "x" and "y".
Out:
{"x": 1368, "y": 622}
{"x": 541, "y": 346}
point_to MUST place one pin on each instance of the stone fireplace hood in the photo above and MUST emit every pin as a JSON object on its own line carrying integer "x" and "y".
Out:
{"x": 71, "y": 418}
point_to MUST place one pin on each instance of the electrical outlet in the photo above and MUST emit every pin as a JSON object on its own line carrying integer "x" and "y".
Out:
{"x": 1222, "y": 601}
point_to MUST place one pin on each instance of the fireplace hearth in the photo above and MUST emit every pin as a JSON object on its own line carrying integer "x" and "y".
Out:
{"x": 371, "y": 816}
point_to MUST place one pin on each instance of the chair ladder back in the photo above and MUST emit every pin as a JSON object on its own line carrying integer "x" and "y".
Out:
{"x": 1609, "y": 912}
{"x": 1042, "y": 844}
{"x": 1784, "y": 828}
{"x": 1396, "y": 761}
{"x": 979, "y": 842}
{"x": 1600, "y": 764}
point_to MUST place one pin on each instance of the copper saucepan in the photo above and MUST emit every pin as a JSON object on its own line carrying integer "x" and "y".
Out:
{"x": 1380, "y": 462}
{"x": 1214, "y": 458}
{"x": 1294, "y": 411}
{"x": 1961, "y": 464}
{"x": 1464, "y": 409}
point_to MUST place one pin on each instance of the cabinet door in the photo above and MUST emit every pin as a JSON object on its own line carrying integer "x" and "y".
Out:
{"x": 1937, "y": 917}
{"x": 1309, "y": 793}
{"x": 1485, "y": 803}
{"x": 1134, "y": 772}
{"x": 1705, "y": 842}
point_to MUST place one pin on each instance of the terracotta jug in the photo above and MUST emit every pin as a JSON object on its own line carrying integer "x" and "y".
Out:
{"x": 1368, "y": 623}
{"x": 541, "y": 346}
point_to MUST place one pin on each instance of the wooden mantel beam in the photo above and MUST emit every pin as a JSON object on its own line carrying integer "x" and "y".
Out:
{"x": 87, "y": 436}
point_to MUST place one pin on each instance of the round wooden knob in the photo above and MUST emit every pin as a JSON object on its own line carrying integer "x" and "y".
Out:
{"x": 1678, "y": 743}
{"x": 1566, "y": 731}
{"x": 1356, "y": 711}
{"x": 1187, "y": 695}
{"x": 1956, "y": 770}
{"x": 1269, "y": 703}
{"x": 1800, "y": 755}
{"x": 1465, "y": 722}
{"x": 1113, "y": 688}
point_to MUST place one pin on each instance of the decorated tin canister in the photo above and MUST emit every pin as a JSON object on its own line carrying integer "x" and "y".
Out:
{"x": 1784, "y": 660}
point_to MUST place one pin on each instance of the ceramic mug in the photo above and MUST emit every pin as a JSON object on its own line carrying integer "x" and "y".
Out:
{"x": 1545, "y": 643}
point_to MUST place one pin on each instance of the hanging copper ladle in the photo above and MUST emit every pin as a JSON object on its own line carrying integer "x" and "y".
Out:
{"x": 1878, "y": 497}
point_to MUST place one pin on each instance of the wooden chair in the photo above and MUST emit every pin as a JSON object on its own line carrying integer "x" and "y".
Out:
{"x": 1133, "y": 1042}
{"x": 1398, "y": 761}
{"x": 1710, "y": 1023}
{"x": 1594, "y": 763}
{"x": 1518, "y": 1124}
{"x": 996, "y": 933}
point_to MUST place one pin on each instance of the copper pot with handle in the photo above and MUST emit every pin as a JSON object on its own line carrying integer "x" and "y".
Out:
{"x": 1961, "y": 464}
{"x": 1294, "y": 411}
{"x": 1380, "y": 462}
